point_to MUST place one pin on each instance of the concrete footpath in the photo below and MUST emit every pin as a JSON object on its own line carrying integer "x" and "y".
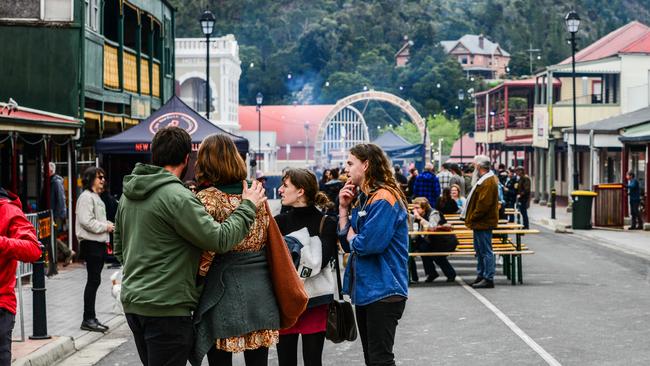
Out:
{"x": 64, "y": 306}
{"x": 633, "y": 242}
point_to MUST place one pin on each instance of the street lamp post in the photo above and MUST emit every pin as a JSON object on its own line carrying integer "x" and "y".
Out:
{"x": 259, "y": 98}
{"x": 572, "y": 21}
{"x": 207, "y": 26}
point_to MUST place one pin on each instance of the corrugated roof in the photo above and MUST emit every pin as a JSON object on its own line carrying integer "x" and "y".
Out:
{"x": 469, "y": 150}
{"x": 287, "y": 121}
{"x": 613, "y": 124}
{"x": 516, "y": 83}
{"x": 471, "y": 42}
{"x": 35, "y": 115}
{"x": 630, "y": 38}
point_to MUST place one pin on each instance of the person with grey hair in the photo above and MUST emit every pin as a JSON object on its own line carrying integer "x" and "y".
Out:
{"x": 481, "y": 214}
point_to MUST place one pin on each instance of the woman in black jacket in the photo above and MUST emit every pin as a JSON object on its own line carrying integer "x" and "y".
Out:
{"x": 446, "y": 205}
{"x": 429, "y": 219}
{"x": 299, "y": 190}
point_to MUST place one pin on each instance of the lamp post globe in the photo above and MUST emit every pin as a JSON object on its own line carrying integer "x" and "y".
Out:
{"x": 207, "y": 26}
{"x": 572, "y": 22}
{"x": 207, "y": 22}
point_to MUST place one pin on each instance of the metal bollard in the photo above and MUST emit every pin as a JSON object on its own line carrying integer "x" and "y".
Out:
{"x": 553, "y": 204}
{"x": 39, "y": 313}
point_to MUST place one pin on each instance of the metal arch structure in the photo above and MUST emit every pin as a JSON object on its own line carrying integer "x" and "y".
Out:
{"x": 346, "y": 129}
{"x": 393, "y": 99}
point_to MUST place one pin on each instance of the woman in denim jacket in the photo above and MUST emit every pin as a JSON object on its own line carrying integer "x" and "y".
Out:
{"x": 373, "y": 227}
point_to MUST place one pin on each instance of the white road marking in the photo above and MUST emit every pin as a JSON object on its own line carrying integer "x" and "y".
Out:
{"x": 510, "y": 324}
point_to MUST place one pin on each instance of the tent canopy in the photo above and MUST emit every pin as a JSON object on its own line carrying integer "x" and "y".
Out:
{"x": 137, "y": 140}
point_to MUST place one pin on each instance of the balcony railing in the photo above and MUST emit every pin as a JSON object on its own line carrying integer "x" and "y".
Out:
{"x": 521, "y": 118}
{"x": 517, "y": 119}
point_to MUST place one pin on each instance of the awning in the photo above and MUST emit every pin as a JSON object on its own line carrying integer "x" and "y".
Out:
{"x": 523, "y": 141}
{"x": 615, "y": 123}
{"x": 137, "y": 140}
{"x": 637, "y": 134}
{"x": 14, "y": 118}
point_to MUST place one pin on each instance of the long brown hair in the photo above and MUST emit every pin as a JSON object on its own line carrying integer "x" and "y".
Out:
{"x": 219, "y": 162}
{"x": 379, "y": 173}
{"x": 306, "y": 180}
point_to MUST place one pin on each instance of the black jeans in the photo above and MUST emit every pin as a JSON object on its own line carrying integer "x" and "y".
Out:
{"x": 162, "y": 340}
{"x": 256, "y": 357}
{"x": 312, "y": 349}
{"x": 636, "y": 216}
{"x": 443, "y": 262}
{"x": 7, "y": 321}
{"x": 93, "y": 253}
{"x": 377, "y": 325}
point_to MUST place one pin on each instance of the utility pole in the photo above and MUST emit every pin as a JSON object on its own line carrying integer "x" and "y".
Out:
{"x": 530, "y": 51}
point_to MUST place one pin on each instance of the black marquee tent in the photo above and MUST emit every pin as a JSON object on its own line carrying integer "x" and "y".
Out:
{"x": 137, "y": 140}
{"x": 121, "y": 152}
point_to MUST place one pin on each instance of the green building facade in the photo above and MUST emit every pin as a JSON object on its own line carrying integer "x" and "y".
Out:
{"x": 107, "y": 62}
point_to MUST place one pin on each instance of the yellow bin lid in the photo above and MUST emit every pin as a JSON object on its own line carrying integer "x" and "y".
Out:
{"x": 584, "y": 193}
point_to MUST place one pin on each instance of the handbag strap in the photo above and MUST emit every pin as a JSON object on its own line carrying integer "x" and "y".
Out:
{"x": 339, "y": 286}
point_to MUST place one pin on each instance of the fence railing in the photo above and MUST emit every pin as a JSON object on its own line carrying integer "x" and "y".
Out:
{"x": 44, "y": 226}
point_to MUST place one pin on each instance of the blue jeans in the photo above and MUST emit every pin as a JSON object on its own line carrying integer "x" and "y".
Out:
{"x": 485, "y": 266}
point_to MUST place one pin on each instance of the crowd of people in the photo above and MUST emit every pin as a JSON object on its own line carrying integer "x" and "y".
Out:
{"x": 202, "y": 272}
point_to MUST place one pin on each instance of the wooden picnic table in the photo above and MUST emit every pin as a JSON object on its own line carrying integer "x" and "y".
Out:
{"x": 515, "y": 267}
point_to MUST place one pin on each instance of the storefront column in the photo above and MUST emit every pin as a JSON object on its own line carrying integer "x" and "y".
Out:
{"x": 625, "y": 168}
{"x": 647, "y": 185}
{"x": 569, "y": 166}
{"x": 14, "y": 163}
{"x": 543, "y": 171}
{"x": 551, "y": 170}
{"x": 536, "y": 174}
{"x": 70, "y": 185}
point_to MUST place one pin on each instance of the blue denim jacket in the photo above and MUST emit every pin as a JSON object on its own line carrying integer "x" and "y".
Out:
{"x": 378, "y": 264}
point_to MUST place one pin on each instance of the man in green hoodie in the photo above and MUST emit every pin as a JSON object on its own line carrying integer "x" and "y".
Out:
{"x": 161, "y": 229}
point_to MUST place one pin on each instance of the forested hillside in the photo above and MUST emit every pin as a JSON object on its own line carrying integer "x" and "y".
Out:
{"x": 316, "y": 51}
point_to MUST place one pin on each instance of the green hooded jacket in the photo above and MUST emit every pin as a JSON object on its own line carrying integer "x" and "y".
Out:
{"x": 161, "y": 228}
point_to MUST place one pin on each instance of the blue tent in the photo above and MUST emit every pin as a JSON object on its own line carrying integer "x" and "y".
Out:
{"x": 398, "y": 149}
{"x": 137, "y": 140}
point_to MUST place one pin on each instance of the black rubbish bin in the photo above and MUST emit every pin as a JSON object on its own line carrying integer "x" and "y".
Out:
{"x": 581, "y": 214}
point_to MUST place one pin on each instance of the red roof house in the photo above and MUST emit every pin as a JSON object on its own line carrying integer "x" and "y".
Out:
{"x": 288, "y": 121}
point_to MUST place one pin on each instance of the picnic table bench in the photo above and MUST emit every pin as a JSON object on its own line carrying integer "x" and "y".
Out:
{"x": 511, "y": 251}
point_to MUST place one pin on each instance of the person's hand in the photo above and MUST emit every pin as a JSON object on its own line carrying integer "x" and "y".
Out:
{"x": 110, "y": 227}
{"x": 416, "y": 215}
{"x": 254, "y": 194}
{"x": 346, "y": 195}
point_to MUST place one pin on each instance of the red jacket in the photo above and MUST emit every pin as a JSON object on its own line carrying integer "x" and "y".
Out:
{"x": 17, "y": 243}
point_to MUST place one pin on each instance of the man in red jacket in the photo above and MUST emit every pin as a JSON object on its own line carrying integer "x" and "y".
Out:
{"x": 17, "y": 243}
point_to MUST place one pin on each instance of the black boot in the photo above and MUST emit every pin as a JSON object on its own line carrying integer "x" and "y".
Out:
{"x": 92, "y": 325}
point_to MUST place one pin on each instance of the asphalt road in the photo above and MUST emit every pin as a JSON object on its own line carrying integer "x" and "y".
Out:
{"x": 581, "y": 304}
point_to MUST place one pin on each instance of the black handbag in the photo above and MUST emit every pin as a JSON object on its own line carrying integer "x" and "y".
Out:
{"x": 341, "y": 325}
